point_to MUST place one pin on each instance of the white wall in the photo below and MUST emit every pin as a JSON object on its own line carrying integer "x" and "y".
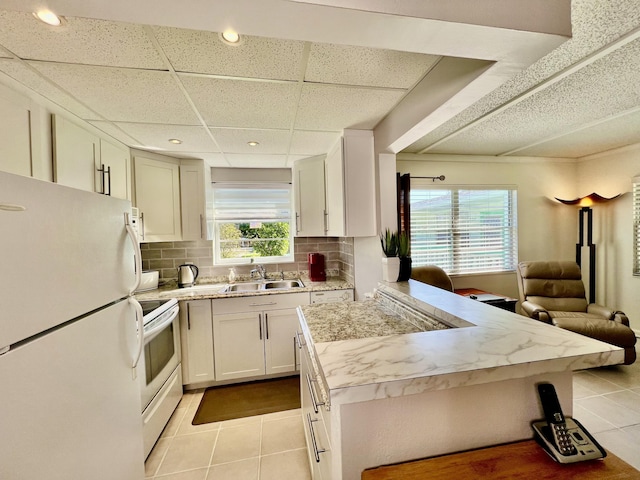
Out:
{"x": 610, "y": 174}
{"x": 547, "y": 229}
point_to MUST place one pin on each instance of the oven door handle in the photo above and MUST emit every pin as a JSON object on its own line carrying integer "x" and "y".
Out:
{"x": 140, "y": 326}
{"x": 170, "y": 316}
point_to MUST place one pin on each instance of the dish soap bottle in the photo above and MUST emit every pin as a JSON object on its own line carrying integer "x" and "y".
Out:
{"x": 232, "y": 275}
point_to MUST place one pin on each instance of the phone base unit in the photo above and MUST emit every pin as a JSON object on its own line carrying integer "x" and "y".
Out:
{"x": 586, "y": 447}
{"x": 563, "y": 438}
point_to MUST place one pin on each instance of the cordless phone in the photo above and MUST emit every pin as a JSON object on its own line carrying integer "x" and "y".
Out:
{"x": 563, "y": 438}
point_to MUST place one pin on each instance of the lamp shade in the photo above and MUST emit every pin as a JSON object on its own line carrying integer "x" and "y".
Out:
{"x": 587, "y": 200}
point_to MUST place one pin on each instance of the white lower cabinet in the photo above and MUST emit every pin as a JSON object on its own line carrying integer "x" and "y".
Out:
{"x": 196, "y": 334}
{"x": 254, "y": 336}
{"x": 316, "y": 419}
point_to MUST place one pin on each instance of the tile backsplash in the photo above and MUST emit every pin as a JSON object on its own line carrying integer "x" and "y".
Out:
{"x": 167, "y": 256}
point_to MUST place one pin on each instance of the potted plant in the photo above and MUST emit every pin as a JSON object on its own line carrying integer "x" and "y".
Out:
{"x": 404, "y": 252}
{"x": 390, "y": 261}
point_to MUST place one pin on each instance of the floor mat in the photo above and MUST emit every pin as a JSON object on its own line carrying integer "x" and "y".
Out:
{"x": 247, "y": 399}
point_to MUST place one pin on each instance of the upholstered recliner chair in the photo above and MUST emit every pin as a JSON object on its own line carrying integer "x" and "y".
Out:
{"x": 432, "y": 275}
{"x": 553, "y": 292}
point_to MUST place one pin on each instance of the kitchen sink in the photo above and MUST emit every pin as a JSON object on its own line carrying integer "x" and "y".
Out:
{"x": 243, "y": 287}
{"x": 261, "y": 286}
{"x": 280, "y": 284}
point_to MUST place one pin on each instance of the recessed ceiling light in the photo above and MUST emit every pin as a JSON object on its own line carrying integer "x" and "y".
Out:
{"x": 175, "y": 141}
{"x": 230, "y": 37}
{"x": 253, "y": 143}
{"x": 48, "y": 17}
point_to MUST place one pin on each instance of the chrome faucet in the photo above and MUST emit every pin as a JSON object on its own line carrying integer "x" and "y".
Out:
{"x": 260, "y": 271}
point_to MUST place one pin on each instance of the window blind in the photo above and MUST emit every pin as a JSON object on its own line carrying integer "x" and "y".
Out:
{"x": 247, "y": 202}
{"x": 464, "y": 229}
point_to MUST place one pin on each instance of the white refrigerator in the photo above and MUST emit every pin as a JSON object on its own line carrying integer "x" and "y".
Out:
{"x": 69, "y": 399}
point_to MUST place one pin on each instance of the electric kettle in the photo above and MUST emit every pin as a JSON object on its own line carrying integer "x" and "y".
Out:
{"x": 187, "y": 275}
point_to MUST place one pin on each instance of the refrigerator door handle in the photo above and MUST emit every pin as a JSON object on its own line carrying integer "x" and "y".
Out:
{"x": 137, "y": 253}
{"x": 140, "y": 327}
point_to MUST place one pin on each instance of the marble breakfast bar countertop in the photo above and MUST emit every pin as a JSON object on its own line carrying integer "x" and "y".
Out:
{"x": 363, "y": 351}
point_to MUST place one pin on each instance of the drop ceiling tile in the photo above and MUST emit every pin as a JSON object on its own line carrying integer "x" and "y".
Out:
{"x": 79, "y": 40}
{"x": 255, "y": 57}
{"x": 31, "y": 78}
{"x": 243, "y": 104}
{"x": 347, "y": 65}
{"x": 113, "y": 131}
{"x": 256, "y": 161}
{"x": 124, "y": 95}
{"x": 594, "y": 25}
{"x": 194, "y": 138}
{"x": 236, "y": 140}
{"x": 609, "y": 84}
{"x": 305, "y": 143}
{"x": 620, "y": 131}
{"x": 330, "y": 107}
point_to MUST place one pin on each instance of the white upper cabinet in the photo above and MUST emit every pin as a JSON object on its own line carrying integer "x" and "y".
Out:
{"x": 157, "y": 195}
{"x": 195, "y": 192}
{"x": 85, "y": 161}
{"x": 75, "y": 152}
{"x": 359, "y": 177}
{"x": 334, "y": 188}
{"x": 308, "y": 184}
{"x": 335, "y": 195}
{"x": 15, "y": 134}
{"x": 115, "y": 169}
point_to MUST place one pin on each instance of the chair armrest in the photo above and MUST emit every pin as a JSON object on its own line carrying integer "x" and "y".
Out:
{"x": 620, "y": 317}
{"x": 600, "y": 310}
{"x": 615, "y": 315}
{"x": 535, "y": 311}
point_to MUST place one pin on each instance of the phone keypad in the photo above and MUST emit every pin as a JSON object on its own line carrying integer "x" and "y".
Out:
{"x": 563, "y": 440}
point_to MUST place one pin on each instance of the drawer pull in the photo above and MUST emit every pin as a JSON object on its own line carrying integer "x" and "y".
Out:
{"x": 316, "y": 450}
{"x": 299, "y": 342}
{"x": 314, "y": 402}
{"x": 262, "y": 304}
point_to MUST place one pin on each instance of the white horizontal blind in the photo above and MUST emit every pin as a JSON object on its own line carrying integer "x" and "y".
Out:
{"x": 636, "y": 226}
{"x": 247, "y": 202}
{"x": 464, "y": 229}
{"x": 252, "y": 222}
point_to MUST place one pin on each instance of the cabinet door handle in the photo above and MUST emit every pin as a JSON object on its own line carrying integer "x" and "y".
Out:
{"x": 326, "y": 221}
{"x": 314, "y": 402}
{"x": 201, "y": 229}
{"x": 297, "y": 223}
{"x": 298, "y": 341}
{"x": 188, "y": 317}
{"x": 141, "y": 230}
{"x": 316, "y": 450}
{"x": 260, "y": 324}
{"x": 108, "y": 172}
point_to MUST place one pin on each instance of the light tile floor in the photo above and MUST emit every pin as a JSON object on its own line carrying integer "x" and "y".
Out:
{"x": 263, "y": 447}
{"x": 606, "y": 402}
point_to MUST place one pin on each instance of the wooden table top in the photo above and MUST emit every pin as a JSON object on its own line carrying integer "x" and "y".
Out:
{"x": 520, "y": 460}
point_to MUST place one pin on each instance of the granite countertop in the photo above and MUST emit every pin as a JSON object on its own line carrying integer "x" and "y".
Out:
{"x": 352, "y": 320}
{"x": 213, "y": 289}
{"x": 485, "y": 344}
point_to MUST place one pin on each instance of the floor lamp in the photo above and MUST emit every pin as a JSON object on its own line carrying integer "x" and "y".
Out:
{"x": 585, "y": 211}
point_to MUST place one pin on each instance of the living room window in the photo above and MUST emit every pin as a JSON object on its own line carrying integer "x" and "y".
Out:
{"x": 464, "y": 229}
{"x": 252, "y": 223}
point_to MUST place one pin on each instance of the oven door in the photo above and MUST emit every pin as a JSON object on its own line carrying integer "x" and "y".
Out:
{"x": 161, "y": 354}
